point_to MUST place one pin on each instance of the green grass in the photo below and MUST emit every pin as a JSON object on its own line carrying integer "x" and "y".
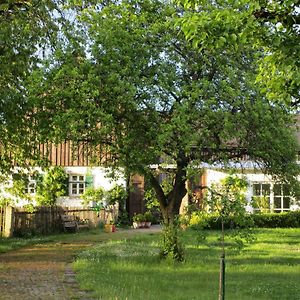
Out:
{"x": 125, "y": 265}
{"x": 8, "y": 244}
{"x": 129, "y": 268}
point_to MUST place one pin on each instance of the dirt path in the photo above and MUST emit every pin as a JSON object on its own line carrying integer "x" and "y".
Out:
{"x": 44, "y": 271}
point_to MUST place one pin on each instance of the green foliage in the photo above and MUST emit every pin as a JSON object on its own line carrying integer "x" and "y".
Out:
{"x": 18, "y": 187}
{"x": 271, "y": 27}
{"x": 19, "y": 183}
{"x": 138, "y": 218}
{"x": 95, "y": 195}
{"x": 51, "y": 186}
{"x": 228, "y": 198}
{"x": 123, "y": 219}
{"x": 228, "y": 201}
{"x": 262, "y": 203}
{"x": 200, "y": 220}
{"x": 29, "y": 208}
{"x": 29, "y": 30}
{"x": 4, "y": 201}
{"x": 152, "y": 89}
{"x": 184, "y": 100}
{"x": 171, "y": 247}
{"x": 277, "y": 220}
{"x": 151, "y": 201}
{"x": 146, "y": 217}
{"x": 117, "y": 194}
{"x": 149, "y": 216}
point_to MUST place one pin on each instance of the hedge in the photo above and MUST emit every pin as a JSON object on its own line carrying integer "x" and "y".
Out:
{"x": 261, "y": 220}
{"x": 275, "y": 220}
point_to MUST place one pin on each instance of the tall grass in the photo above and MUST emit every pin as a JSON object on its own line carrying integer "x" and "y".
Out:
{"x": 130, "y": 268}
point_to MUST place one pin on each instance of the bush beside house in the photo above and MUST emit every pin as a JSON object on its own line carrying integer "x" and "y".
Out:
{"x": 262, "y": 220}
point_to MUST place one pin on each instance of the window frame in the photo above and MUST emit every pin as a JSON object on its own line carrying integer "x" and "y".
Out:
{"x": 76, "y": 184}
{"x": 31, "y": 186}
{"x": 272, "y": 196}
{"x": 282, "y": 196}
{"x": 261, "y": 195}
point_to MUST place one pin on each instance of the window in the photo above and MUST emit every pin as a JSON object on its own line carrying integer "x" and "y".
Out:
{"x": 30, "y": 188}
{"x": 271, "y": 197}
{"x": 282, "y": 197}
{"x": 76, "y": 185}
{"x": 261, "y": 196}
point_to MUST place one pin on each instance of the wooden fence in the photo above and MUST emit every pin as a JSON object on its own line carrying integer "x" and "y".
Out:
{"x": 6, "y": 220}
{"x": 2, "y": 220}
{"x": 47, "y": 220}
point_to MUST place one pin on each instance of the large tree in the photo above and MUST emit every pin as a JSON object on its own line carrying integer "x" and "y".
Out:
{"x": 29, "y": 30}
{"x": 142, "y": 89}
{"x": 280, "y": 69}
{"x": 273, "y": 27}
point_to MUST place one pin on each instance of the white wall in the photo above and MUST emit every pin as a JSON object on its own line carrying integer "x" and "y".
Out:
{"x": 100, "y": 179}
{"x": 215, "y": 176}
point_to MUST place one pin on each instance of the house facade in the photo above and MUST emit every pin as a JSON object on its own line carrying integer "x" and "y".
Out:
{"x": 264, "y": 193}
{"x": 82, "y": 173}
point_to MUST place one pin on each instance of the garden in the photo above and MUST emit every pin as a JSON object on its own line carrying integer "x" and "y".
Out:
{"x": 130, "y": 268}
{"x": 126, "y": 264}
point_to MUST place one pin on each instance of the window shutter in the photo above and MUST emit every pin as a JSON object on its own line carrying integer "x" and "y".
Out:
{"x": 89, "y": 181}
{"x": 66, "y": 185}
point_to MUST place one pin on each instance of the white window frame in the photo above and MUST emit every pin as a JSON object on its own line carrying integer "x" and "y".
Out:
{"x": 76, "y": 184}
{"x": 30, "y": 189}
{"x": 261, "y": 183}
{"x": 272, "y": 196}
{"x": 281, "y": 197}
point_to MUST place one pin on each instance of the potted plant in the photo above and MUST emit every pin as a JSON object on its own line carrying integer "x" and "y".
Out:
{"x": 148, "y": 218}
{"x": 138, "y": 221}
{"x": 111, "y": 227}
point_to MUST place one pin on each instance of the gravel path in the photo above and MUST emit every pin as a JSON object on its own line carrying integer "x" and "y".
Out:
{"x": 44, "y": 272}
{"x": 40, "y": 272}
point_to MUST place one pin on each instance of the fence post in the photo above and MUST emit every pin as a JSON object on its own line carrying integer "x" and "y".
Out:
{"x": 8, "y": 225}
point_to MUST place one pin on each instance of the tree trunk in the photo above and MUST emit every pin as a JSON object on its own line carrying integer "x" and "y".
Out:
{"x": 170, "y": 206}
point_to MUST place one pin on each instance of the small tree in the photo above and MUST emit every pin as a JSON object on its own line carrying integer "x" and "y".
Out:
{"x": 117, "y": 195}
{"x": 228, "y": 200}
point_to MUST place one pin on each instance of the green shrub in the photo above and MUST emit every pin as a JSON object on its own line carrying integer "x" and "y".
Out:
{"x": 138, "y": 218}
{"x": 96, "y": 195}
{"x": 267, "y": 220}
{"x": 148, "y": 216}
{"x": 51, "y": 185}
{"x": 275, "y": 220}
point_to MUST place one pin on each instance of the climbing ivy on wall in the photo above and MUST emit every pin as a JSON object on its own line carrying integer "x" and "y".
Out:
{"x": 51, "y": 185}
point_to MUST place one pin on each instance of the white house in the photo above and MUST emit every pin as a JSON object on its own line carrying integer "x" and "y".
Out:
{"x": 80, "y": 170}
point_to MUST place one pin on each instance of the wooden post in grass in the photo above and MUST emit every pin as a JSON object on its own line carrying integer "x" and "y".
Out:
{"x": 222, "y": 268}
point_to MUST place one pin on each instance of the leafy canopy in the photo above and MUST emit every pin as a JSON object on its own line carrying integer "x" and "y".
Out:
{"x": 142, "y": 85}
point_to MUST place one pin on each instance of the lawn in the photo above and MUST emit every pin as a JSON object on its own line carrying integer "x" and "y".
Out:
{"x": 8, "y": 244}
{"x": 129, "y": 268}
